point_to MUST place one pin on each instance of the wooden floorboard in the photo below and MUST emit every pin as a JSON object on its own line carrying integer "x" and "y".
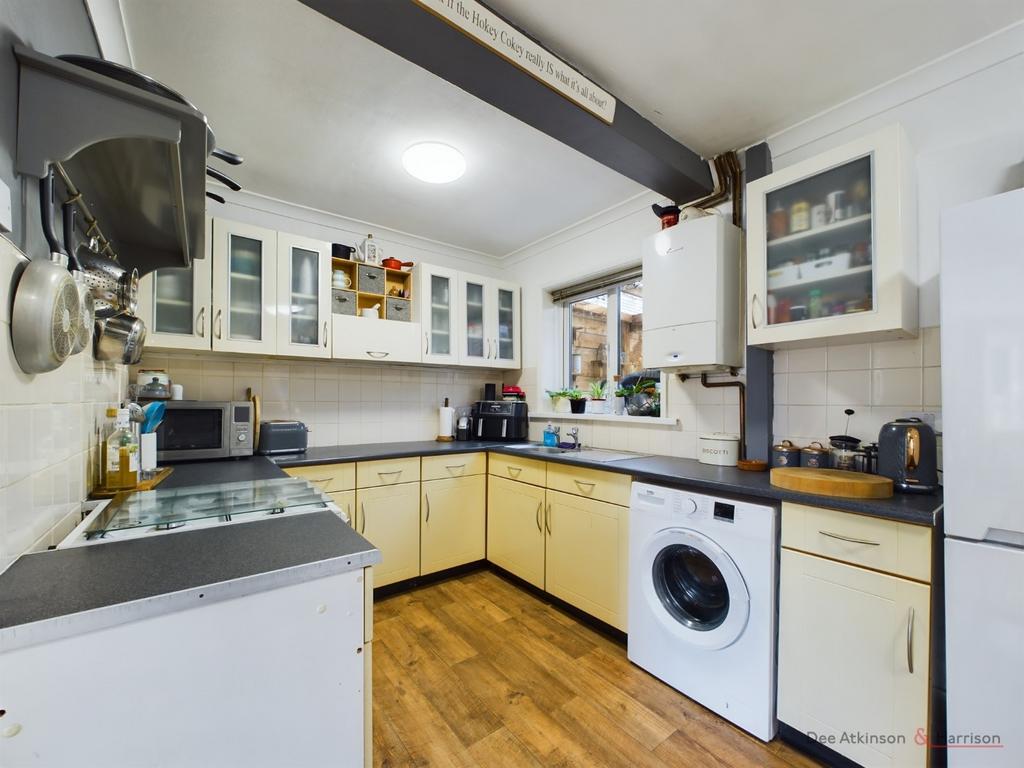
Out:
{"x": 477, "y": 672}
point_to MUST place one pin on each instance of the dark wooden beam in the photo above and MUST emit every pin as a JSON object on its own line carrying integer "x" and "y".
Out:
{"x": 631, "y": 145}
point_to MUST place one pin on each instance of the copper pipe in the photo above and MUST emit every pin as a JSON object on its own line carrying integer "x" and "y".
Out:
{"x": 743, "y": 406}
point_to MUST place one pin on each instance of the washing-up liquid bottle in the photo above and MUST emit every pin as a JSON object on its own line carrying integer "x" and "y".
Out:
{"x": 121, "y": 463}
{"x": 550, "y": 435}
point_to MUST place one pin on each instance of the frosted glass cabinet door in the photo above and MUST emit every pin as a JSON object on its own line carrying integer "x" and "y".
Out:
{"x": 505, "y": 345}
{"x": 304, "y": 296}
{"x": 477, "y": 345}
{"x": 438, "y": 298}
{"x": 244, "y": 288}
{"x": 175, "y": 306}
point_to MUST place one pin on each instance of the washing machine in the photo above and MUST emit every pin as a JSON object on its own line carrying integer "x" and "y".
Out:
{"x": 703, "y": 580}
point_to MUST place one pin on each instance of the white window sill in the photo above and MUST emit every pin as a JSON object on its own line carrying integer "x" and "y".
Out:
{"x": 642, "y": 421}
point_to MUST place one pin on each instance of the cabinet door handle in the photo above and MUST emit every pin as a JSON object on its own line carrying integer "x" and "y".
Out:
{"x": 426, "y": 342}
{"x": 453, "y": 467}
{"x": 323, "y": 480}
{"x": 362, "y": 514}
{"x": 547, "y": 518}
{"x": 581, "y": 483}
{"x": 201, "y": 320}
{"x": 850, "y": 539}
{"x": 217, "y": 323}
{"x": 377, "y": 355}
{"x": 426, "y": 496}
{"x": 537, "y": 516}
{"x": 397, "y": 473}
{"x": 325, "y": 334}
{"x": 910, "y": 640}
{"x": 514, "y": 471}
{"x": 348, "y": 511}
{"x": 753, "y": 316}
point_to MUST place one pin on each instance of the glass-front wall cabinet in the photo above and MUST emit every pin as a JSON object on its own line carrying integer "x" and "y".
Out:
{"x": 175, "y": 306}
{"x": 476, "y": 341}
{"x": 303, "y": 306}
{"x": 441, "y": 290}
{"x": 244, "y": 279}
{"x": 505, "y": 344}
{"x": 830, "y": 246}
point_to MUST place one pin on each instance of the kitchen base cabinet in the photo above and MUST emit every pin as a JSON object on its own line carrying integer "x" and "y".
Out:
{"x": 389, "y": 517}
{"x": 346, "y": 501}
{"x": 587, "y": 550}
{"x": 515, "y": 528}
{"x": 853, "y": 658}
{"x": 454, "y": 522}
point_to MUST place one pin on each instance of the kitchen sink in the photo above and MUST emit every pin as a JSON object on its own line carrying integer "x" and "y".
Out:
{"x": 586, "y": 454}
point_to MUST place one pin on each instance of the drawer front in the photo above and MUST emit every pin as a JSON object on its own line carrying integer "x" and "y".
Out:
{"x": 884, "y": 545}
{"x": 610, "y": 487}
{"x": 329, "y": 478}
{"x": 398, "y": 309}
{"x": 370, "y": 474}
{"x": 371, "y": 280}
{"x": 517, "y": 468}
{"x": 343, "y": 302}
{"x": 458, "y": 465}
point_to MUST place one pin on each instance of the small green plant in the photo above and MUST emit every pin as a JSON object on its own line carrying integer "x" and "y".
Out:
{"x": 597, "y": 390}
{"x": 574, "y": 394}
{"x": 643, "y": 386}
{"x": 623, "y": 391}
{"x": 557, "y": 394}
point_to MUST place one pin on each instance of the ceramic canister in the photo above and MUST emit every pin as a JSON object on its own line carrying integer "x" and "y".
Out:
{"x": 785, "y": 454}
{"x": 719, "y": 448}
{"x": 815, "y": 456}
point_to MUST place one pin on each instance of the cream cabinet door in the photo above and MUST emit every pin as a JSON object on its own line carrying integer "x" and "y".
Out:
{"x": 244, "y": 288}
{"x": 389, "y": 517}
{"x": 175, "y": 305}
{"x": 454, "y": 515}
{"x": 346, "y": 501}
{"x": 475, "y": 319}
{"x": 303, "y": 296}
{"x": 515, "y": 528}
{"x": 437, "y": 294}
{"x": 360, "y": 338}
{"x": 587, "y": 552}
{"x": 504, "y": 342}
{"x": 853, "y": 658}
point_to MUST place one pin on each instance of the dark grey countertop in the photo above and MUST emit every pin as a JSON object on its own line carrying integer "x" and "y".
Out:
{"x": 61, "y": 583}
{"x": 665, "y": 470}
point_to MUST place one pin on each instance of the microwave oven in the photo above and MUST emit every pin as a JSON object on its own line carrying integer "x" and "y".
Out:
{"x": 205, "y": 429}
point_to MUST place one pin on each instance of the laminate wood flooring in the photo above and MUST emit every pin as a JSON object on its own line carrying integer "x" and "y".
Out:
{"x": 475, "y": 671}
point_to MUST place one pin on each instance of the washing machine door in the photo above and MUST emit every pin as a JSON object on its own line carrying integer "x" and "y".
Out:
{"x": 694, "y": 588}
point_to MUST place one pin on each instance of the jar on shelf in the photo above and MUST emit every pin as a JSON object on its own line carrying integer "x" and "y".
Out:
{"x": 814, "y": 303}
{"x": 799, "y": 216}
{"x": 778, "y": 222}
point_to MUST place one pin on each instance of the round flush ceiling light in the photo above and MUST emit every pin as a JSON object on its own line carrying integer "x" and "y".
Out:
{"x": 433, "y": 162}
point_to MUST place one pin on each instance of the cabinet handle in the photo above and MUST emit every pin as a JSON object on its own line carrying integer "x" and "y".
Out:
{"x": 201, "y": 319}
{"x": 910, "y": 640}
{"x": 753, "y": 317}
{"x": 325, "y": 334}
{"x": 348, "y": 511}
{"x": 377, "y": 355}
{"x": 397, "y": 473}
{"x": 362, "y": 514}
{"x": 427, "y": 497}
{"x": 515, "y": 470}
{"x": 547, "y": 518}
{"x": 581, "y": 483}
{"x": 324, "y": 480}
{"x": 451, "y": 467}
{"x": 426, "y": 342}
{"x": 850, "y": 539}
{"x": 537, "y": 516}
{"x": 217, "y": 323}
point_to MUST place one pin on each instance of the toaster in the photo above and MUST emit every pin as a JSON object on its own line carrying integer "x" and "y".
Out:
{"x": 282, "y": 436}
{"x": 907, "y": 454}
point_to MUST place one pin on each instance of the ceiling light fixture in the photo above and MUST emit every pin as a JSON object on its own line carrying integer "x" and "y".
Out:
{"x": 433, "y": 162}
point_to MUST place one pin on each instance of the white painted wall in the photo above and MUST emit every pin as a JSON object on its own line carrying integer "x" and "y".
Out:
{"x": 964, "y": 116}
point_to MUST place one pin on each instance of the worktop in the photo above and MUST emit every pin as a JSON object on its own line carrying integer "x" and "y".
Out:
{"x": 53, "y": 594}
{"x": 921, "y": 509}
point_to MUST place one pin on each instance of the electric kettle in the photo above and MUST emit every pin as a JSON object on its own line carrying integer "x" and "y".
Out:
{"x": 907, "y": 454}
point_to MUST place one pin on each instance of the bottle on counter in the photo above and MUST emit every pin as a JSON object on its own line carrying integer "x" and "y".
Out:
{"x": 550, "y": 435}
{"x": 121, "y": 457}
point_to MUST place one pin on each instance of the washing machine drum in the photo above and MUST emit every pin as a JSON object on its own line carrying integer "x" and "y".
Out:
{"x": 695, "y": 588}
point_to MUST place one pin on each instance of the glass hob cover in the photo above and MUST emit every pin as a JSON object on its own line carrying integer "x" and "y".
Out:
{"x": 173, "y": 507}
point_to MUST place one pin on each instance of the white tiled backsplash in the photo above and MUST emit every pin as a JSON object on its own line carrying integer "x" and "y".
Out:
{"x": 880, "y": 382}
{"x": 49, "y": 427}
{"x": 342, "y": 403}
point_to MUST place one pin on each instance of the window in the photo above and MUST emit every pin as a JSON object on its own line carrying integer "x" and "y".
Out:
{"x": 604, "y": 333}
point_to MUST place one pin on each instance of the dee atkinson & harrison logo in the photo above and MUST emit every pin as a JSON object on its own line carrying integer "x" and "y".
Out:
{"x": 858, "y": 737}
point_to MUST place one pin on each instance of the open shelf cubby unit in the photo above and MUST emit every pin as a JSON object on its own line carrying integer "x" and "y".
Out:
{"x": 371, "y": 285}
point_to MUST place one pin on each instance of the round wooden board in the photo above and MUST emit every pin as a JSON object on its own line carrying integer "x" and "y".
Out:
{"x": 832, "y": 482}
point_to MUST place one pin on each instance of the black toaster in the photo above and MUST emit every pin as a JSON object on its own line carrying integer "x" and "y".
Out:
{"x": 907, "y": 454}
{"x": 282, "y": 436}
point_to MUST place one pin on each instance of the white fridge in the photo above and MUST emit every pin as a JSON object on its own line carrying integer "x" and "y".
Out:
{"x": 982, "y": 326}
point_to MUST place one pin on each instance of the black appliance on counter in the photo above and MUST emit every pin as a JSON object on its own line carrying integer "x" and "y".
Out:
{"x": 908, "y": 455}
{"x": 282, "y": 436}
{"x": 502, "y": 420}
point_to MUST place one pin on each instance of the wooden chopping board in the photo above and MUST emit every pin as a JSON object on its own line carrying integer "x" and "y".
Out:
{"x": 832, "y": 482}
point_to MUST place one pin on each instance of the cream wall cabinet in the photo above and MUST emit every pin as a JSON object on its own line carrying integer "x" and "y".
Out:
{"x": 244, "y": 288}
{"x": 437, "y": 293}
{"x": 831, "y": 247}
{"x": 854, "y": 642}
{"x": 453, "y": 517}
{"x": 177, "y": 305}
{"x": 515, "y": 528}
{"x": 303, "y": 296}
{"x": 586, "y": 555}
{"x": 489, "y": 322}
{"x": 389, "y": 516}
{"x": 392, "y": 341}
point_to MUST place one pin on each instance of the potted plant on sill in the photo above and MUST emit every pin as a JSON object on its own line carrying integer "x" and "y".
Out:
{"x": 559, "y": 400}
{"x": 577, "y": 402}
{"x": 644, "y": 399}
{"x": 597, "y": 402}
{"x": 619, "y": 403}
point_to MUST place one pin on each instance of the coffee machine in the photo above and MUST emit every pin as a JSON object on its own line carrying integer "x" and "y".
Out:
{"x": 504, "y": 420}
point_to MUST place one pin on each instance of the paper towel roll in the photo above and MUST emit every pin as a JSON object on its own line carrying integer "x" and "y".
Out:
{"x": 445, "y": 423}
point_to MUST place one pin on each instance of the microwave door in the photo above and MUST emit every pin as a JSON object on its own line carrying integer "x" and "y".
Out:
{"x": 193, "y": 433}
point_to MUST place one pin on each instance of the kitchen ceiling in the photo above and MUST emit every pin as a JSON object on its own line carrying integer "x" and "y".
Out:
{"x": 322, "y": 117}
{"x": 718, "y": 76}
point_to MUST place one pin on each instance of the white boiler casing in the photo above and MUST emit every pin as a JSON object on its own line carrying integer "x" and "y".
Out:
{"x": 692, "y": 296}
